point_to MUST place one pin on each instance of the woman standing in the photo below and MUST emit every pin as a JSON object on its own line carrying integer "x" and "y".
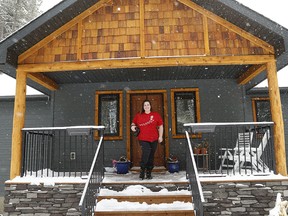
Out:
{"x": 151, "y": 133}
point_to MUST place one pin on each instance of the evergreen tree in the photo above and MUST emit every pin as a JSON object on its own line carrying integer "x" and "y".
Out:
{"x": 16, "y": 13}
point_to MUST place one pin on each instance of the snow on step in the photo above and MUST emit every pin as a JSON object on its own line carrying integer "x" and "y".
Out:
{"x": 140, "y": 190}
{"x": 114, "y": 205}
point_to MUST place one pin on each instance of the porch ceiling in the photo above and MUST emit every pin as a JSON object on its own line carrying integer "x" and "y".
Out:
{"x": 149, "y": 74}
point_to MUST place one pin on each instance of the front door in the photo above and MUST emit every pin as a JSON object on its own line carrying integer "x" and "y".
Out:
{"x": 157, "y": 102}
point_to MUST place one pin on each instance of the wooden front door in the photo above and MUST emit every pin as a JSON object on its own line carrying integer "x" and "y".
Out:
{"x": 157, "y": 102}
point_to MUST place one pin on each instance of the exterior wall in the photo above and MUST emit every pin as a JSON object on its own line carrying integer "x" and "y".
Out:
{"x": 38, "y": 114}
{"x": 220, "y": 101}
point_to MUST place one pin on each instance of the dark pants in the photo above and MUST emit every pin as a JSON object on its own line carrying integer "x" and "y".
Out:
{"x": 148, "y": 151}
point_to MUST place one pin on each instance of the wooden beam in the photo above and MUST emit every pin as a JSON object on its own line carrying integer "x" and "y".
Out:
{"x": 18, "y": 124}
{"x": 64, "y": 28}
{"x": 43, "y": 80}
{"x": 206, "y": 36}
{"x": 251, "y": 73}
{"x": 142, "y": 29}
{"x": 79, "y": 40}
{"x": 277, "y": 118}
{"x": 146, "y": 62}
{"x": 229, "y": 25}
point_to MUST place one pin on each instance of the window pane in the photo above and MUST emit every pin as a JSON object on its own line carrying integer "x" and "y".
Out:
{"x": 108, "y": 115}
{"x": 263, "y": 110}
{"x": 185, "y": 110}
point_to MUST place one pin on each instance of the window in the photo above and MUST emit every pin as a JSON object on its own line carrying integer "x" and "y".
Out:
{"x": 261, "y": 109}
{"x": 185, "y": 109}
{"x": 109, "y": 113}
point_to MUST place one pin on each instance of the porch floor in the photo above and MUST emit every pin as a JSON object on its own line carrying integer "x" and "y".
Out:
{"x": 158, "y": 177}
{"x": 132, "y": 177}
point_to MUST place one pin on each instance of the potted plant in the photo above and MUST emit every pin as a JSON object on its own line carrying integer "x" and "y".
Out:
{"x": 204, "y": 147}
{"x": 197, "y": 149}
{"x": 173, "y": 164}
{"x": 122, "y": 165}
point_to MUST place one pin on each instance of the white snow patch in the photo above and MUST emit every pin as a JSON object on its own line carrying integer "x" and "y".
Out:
{"x": 108, "y": 204}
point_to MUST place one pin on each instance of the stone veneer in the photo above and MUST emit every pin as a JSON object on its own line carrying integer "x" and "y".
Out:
{"x": 42, "y": 200}
{"x": 242, "y": 198}
{"x": 229, "y": 198}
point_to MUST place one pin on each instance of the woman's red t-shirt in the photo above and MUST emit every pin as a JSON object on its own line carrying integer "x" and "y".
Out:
{"x": 148, "y": 125}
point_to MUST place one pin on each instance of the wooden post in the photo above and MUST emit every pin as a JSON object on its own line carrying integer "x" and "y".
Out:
{"x": 277, "y": 118}
{"x": 18, "y": 124}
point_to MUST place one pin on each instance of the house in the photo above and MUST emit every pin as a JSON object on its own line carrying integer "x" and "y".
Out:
{"x": 98, "y": 60}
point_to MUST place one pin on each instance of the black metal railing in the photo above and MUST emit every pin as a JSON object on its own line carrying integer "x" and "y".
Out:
{"x": 193, "y": 177}
{"x": 91, "y": 190}
{"x": 58, "y": 151}
{"x": 244, "y": 148}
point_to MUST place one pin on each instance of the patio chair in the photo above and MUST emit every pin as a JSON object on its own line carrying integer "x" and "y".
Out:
{"x": 252, "y": 156}
{"x": 230, "y": 155}
{"x": 246, "y": 156}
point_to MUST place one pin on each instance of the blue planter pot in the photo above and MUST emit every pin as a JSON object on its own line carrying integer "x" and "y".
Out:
{"x": 122, "y": 167}
{"x": 173, "y": 167}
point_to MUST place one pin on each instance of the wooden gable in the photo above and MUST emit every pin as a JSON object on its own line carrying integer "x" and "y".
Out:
{"x": 144, "y": 28}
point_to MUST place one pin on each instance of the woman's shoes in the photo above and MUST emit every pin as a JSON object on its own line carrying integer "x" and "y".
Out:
{"x": 148, "y": 174}
{"x": 142, "y": 173}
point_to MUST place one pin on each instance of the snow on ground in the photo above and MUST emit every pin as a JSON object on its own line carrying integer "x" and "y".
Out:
{"x": 133, "y": 177}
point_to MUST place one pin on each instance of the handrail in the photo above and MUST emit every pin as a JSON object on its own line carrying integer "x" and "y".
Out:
{"x": 227, "y": 123}
{"x": 192, "y": 174}
{"x": 216, "y": 148}
{"x": 65, "y": 128}
{"x": 87, "y": 202}
{"x": 58, "y": 151}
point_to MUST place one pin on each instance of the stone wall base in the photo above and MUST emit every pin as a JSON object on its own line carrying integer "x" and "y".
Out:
{"x": 229, "y": 198}
{"x": 56, "y": 200}
{"x": 245, "y": 198}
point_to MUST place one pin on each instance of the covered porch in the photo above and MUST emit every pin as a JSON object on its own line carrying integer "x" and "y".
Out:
{"x": 130, "y": 52}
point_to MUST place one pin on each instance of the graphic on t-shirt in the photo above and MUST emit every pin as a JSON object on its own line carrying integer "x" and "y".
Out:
{"x": 149, "y": 122}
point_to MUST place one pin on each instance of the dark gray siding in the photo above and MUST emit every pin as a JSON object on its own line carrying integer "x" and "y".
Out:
{"x": 38, "y": 114}
{"x": 284, "y": 102}
{"x": 221, "y": 101}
